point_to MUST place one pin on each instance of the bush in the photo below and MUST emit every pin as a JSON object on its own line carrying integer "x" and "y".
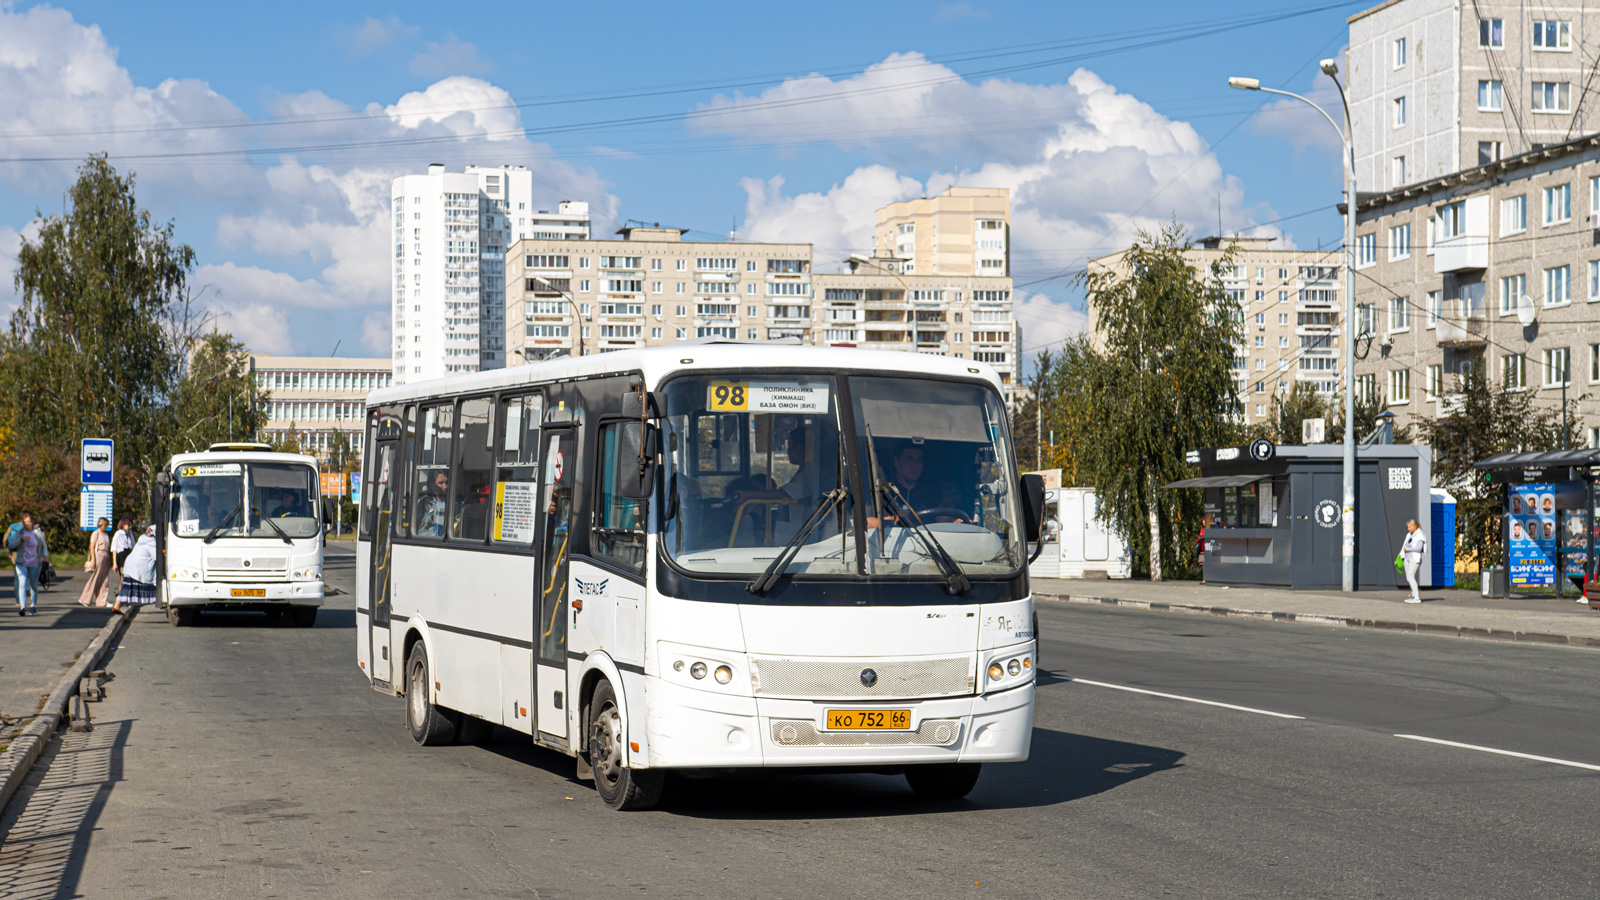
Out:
{"x": 41, "y": 480}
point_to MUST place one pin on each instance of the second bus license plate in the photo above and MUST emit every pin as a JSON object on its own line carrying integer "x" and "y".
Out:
{"x": 249, "y": 592}
{"x": 869, "y": 719}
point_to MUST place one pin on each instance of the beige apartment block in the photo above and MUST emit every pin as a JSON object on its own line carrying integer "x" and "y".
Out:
{"x": 316, "y": 396}
{"x": 1437, "y": 86}
{"x": 1497, "y": 265}
{"x": 1290, "y": 328}
{"x": 963, "y": 231}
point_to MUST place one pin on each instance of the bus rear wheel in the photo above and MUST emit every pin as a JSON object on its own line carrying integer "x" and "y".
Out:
{"x": 430, "y": 725}
{"x": 943, "y": 781}
{"x": 620, "y": 787}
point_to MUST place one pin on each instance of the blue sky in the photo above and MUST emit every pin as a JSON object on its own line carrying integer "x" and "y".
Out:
{"x": 270, "y": 132}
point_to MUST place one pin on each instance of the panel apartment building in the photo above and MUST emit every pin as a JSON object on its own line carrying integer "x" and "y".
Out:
{"x": 649, "y": 287}
{"x": 1498, "y": 266}
{"x": 314, "y": 397}
{"x": 1291, "y": 329}
{"x": 451, "y": 231}
{"x": 1438, "y": 86}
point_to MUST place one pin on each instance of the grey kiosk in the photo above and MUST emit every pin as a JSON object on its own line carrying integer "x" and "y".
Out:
{"x": 1273, "y": 513}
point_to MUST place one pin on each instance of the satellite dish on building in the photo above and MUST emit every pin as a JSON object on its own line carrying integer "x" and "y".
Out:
{"x": 1525, "y": 310}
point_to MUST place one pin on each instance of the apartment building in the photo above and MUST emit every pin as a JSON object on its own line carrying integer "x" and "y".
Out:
{"x": 1291, "y": 327}
{"x": 1498, "y": 266}
{"x": 1438, "y": 86}
{"x": 963, "y": 231}
{"x": 314, "y": 397}
{"x": 451, "y": 231}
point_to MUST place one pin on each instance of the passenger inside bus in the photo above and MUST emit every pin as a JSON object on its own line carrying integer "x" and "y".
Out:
{"x": 431, "y": 506}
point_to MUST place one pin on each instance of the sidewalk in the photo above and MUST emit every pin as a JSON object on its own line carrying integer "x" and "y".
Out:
{"x": 1444, "y": 611}
{"x": 35, "y": 651}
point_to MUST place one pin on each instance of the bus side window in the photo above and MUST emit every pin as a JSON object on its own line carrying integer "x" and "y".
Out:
{"x": 516, "y": 468}
{"x": 403, "y": 476}
{"x": 365, "y": 500}
{"x": 619, "y": 523}
{"x": 473, "y": 481}
{"x": 431, "y": 482}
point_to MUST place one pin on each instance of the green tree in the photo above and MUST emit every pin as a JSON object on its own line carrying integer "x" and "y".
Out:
{"x": 1291, "y": 410}
{"x": 1156, "y": 380}
{"x": 105, "y": 312}
{"x": 341, "y": 456}
{"x": 217, "y": 398}
{"x": 43, "y": 481}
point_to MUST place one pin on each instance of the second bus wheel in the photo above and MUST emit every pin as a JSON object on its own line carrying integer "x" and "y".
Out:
{"x": 943, "y": 781}
{"x": 430, "y": 725}
{"x": 182, "y": 616}
{"x": 619, "y": 786}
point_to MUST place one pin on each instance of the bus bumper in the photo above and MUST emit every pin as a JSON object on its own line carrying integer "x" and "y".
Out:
{"x": 711, "y": 730}
{"x": 282, "y": 593}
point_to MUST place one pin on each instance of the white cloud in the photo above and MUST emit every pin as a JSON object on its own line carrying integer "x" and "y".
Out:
{"x": 10, "y": 297}
{"x": 1299, "y": 124}
{"x": 1046, "y": 322}
{"x": 452, "y": 56}
{"x": 376, "y": 334}
{"x": 839, "y": 220}
{"x": 375, "y": 33}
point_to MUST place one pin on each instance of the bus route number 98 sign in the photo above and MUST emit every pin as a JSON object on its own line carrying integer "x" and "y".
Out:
{"x": 767, "y": 397}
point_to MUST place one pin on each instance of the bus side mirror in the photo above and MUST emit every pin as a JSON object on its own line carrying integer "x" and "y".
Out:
{"x": 636, "y": 471}
{"x": 1033, "y": 507}
{"x": 643, "y": 405}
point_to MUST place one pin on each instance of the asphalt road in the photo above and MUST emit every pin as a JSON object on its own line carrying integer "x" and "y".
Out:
{"x": 237, "y": 759}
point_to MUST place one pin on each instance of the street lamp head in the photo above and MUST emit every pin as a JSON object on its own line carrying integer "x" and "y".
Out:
{"x": 1244, "y": 84}
{"x": 1330, "y": 67}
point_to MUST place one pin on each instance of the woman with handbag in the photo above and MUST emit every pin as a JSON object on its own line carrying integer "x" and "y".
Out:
{"x": 98, "y": 565}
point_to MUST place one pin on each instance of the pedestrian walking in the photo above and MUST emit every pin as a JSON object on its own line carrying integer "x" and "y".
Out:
{"x": 139, "y": 574}
{"x": 121, "y": 546}
{"x": 97, "y": 564}
{"x": 28, "y": 553}
{"x": 47, "y": 572}
{"x": 1416, "y": 543}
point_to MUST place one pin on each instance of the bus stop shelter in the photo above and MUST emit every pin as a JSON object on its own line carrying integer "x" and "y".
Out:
{"x": 1273, "y": 514}
{"x": 1547, "y": 514}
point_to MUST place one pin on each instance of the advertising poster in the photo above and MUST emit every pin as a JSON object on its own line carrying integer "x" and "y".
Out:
{"x": 1533, "y": 535}
{"x": 1575, "y": 541}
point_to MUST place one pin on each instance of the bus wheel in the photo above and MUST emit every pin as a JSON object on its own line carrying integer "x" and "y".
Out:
{"x": 303, "y": 616}
{"x": 181, "y": 616}
{"x": 943, "y": 781}
{"x": 430, "y": 725}
{"x": 619, "y": 786}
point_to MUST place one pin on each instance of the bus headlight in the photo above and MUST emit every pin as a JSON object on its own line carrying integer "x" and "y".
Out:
{"x": 1014, "y": 667}
{"x": 996, "y": 672}
{"x": 723, "y": 674}
{"x": 310, "y": 573}
{"x": 697, "y": 671}
{"x": 1008, "y": 667}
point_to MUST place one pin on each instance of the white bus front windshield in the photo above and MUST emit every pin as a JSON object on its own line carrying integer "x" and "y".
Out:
{"x": 750, "y": 460}
{"x": 210, "y": 497}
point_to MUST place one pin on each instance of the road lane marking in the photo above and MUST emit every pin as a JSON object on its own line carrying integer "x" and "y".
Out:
{"x": 1547, "y": 759}
{"x": 1134, "y": 690}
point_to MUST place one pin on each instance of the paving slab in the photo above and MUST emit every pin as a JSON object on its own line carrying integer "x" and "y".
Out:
{"x": 35, "y": 651}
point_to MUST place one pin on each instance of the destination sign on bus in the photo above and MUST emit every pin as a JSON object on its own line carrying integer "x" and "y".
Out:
{"x": 766, "y": 397}
{"x": 209, "y": 470}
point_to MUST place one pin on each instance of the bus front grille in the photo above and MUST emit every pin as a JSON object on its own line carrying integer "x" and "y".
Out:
{"x": 840, "y": 679}
{"x": 804, "y": 733}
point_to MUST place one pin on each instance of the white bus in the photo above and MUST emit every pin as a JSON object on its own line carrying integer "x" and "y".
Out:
{"x": 705, "y": 556}
{"x": 238, "y": 527}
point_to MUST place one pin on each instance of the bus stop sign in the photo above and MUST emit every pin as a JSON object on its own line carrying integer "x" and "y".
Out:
{"x": 96, "y": 461}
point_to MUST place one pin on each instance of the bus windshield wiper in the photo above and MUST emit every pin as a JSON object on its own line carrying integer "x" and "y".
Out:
{"x": 274, "y": 526}
{"x": 953, "y": 576}
{"x": 767, "y": 579}
{"x": 224, "y": 523}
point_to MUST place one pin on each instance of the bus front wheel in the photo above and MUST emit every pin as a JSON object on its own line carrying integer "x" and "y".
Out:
{"x": 303, "y": 616}
{"x": 943, "y": 781}
{"x": 619, "y": 786}
{"x": 430, "y": 725}
{"x": 181, "y": 616}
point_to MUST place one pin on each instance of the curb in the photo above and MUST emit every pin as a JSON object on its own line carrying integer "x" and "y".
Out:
{"x": 1464, "y": 631}
{"x": 19, "y": 758}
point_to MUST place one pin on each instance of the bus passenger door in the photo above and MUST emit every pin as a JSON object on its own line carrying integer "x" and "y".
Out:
{"x": 382, "y": 556}
{"x": 555, "y": 516}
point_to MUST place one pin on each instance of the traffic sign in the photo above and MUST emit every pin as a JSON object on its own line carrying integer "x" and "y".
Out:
{"x": 95, "y": 501}
{"x": 96, "y": 459}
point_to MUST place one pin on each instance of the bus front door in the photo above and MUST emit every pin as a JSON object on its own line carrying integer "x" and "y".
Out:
{"x": 555, "y": 517}
{"x": 382, "y": 556}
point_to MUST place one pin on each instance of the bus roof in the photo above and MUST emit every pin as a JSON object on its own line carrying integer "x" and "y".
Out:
{"x": 240, "y": 456}
{"x": 686, "y": 356}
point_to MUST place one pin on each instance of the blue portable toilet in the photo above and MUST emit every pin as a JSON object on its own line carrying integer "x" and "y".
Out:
{"x": 1442, "y": 538}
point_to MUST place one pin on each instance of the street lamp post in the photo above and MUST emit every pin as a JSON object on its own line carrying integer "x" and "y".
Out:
{"x": 1331, "y": 69}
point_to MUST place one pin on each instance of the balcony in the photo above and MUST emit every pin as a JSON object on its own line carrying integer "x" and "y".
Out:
{"x": 1461, "y": 326}
{"x": 1468, "y": 248}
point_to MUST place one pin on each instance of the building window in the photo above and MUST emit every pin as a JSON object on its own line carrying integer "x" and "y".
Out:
{"x": 681, "y": 311}
{"x": 1366, "y": 387}
{"x": 655, "y": 287}
{"x": 681, "y": 265}
{"x": 1399, "y": 314}
{"x": 1283, "y": 296}
{"x": 1490, "y": 98}
{"x": 1512, "y": 287}
{"x": 1399, "y": 52}
{"x": 1435, "y": 307}
{"x": 1594, "y": 280}
{"x": 1488, "y": 152}
{"x": 1552, "y": 35}
{"x": 1552, "y": 97}
{"x": 1557, "y": 204}
{"x": 1366, "y": 318}
{"x": 1400, "y": 242}
{"x": 1399, "y": 111}
{"x": 1514, "y": 214}
{"x": 1558, "y": 286}
{"x": 1451, "y": 220}
{"x": 1397, "y": 171}
{"x": 1594, "y": 195}
{"x": 1435, "y": 381}
{"x": 1491, "y": 33}
{"x": 1514, "y": 371}
{"x": 1366, "y": 249}
{"x": 1594, "y": 363}
{"x": 1283, "y": 342}
{"x": 1557, "y": 367}
{"x": 1283, "y": 318}
{"x": 655, "y": 333}
{"x": 1399, "y": 386}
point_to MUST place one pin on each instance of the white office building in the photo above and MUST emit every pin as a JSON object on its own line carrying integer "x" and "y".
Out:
{"x": 451, "y": 231}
